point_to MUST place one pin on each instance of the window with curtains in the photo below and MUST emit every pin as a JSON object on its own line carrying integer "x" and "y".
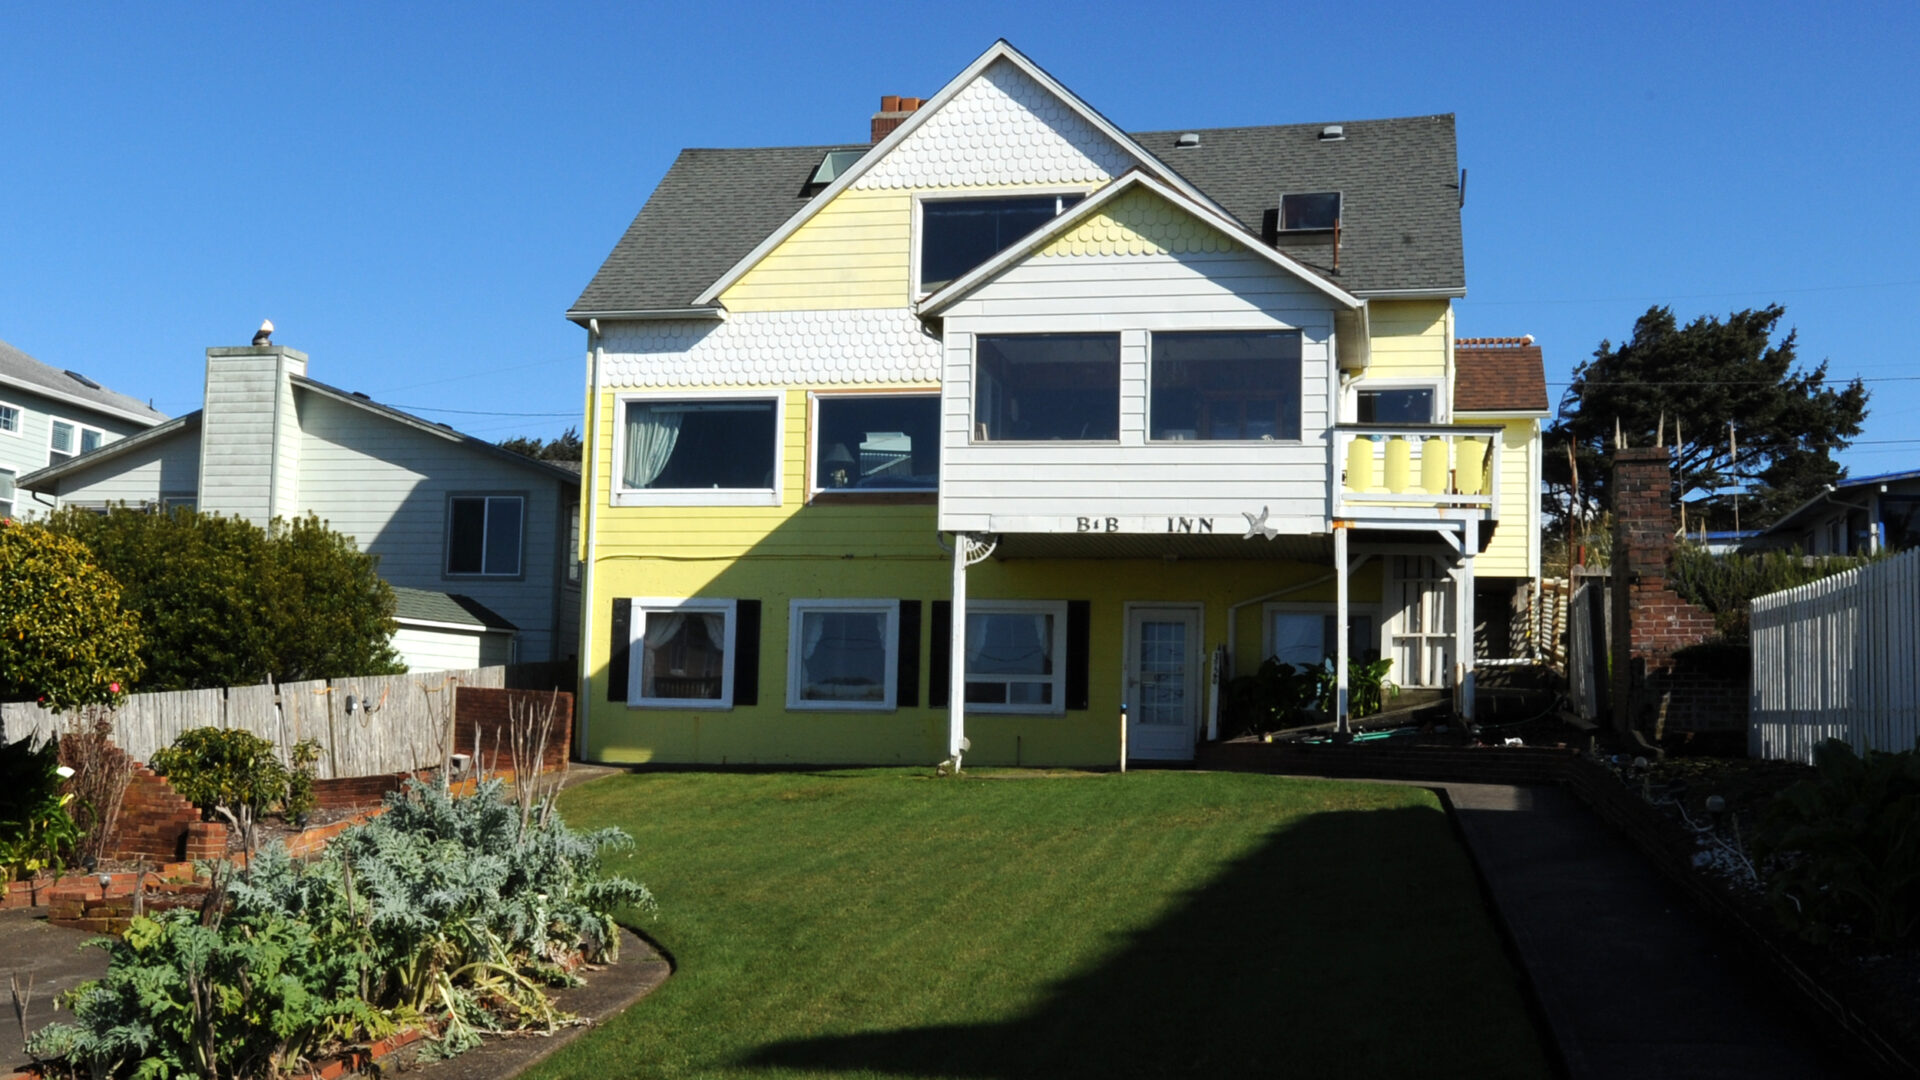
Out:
{"x": 1304, "y": 635}
{"x": 842, "y": 654}
{"x": 680, "y": 655}
{"x": 1016, "y": 656}
{"x": 711, "y": 450}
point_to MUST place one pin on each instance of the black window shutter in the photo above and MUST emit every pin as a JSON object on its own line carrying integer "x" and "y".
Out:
{"x": 620, "y": 650}
{"x": 907, "y": 671}
{"x": 746, "y": 652}
{"x": 1079, "y": 627}
{"x": 939, "y": 645}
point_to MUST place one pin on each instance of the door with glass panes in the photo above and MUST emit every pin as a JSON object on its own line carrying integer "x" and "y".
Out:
{"x": 1164, "y": 688}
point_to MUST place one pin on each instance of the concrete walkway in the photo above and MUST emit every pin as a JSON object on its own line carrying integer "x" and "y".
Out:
{"x": 53, "y": 958}
{"x": 1634, "y": 984}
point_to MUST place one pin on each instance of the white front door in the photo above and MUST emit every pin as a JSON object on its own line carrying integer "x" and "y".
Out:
{"x": 1163, "y": 688}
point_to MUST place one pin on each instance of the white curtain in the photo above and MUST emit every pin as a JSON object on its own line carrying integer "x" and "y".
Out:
{"x": 651, "y": 435}
{"x": 1043, "y": 633}
{"x": 813, "y": 628}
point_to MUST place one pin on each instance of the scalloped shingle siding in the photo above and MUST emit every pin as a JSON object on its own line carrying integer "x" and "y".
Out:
{"x": 775, "y": 348}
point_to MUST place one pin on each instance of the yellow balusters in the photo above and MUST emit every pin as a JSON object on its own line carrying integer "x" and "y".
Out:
{"x": 1433, "y": 466}
{"x": 1399, "y": 464}
{"x": 1469, "y": 471}
{"x": 1360, "y": 463}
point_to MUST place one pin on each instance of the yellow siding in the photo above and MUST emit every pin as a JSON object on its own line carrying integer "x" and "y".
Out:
{"x": 852, "y": 254}
{"x": 1409, "y": 339}
{"x": 768, "y": 733}
{"x": 1140, "y": 223}
{"x": 1510, "y": 553}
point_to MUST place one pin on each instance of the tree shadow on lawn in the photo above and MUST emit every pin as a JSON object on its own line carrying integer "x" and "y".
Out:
{"x": 1350, "y": 944}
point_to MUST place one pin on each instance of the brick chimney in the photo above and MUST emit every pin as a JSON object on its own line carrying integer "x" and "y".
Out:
{"x": 894, "y": 111}
{"x": 1650, "y": 620}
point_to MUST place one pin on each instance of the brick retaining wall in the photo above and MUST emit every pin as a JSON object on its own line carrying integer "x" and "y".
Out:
{"x": 153, "y": 820}
{"x": 486, "y": 711}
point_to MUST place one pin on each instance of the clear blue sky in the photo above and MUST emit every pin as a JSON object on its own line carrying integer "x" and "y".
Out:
{"x": 414, "y": 193}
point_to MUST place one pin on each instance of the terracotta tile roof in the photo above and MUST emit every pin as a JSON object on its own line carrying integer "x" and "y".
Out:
{"x": 1498, "y": 375}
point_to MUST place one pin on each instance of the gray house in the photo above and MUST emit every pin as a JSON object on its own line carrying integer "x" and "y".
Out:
{"x": 1863, "y": 516}
{"x": 48, "y": 416}
{"x": 477, "y": 540}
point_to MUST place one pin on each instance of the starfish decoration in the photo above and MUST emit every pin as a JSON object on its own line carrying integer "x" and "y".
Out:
{"x": 1258, "y": 526}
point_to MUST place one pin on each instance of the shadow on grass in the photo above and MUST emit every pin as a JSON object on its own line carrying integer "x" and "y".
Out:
{"x": 1347, "y": 944}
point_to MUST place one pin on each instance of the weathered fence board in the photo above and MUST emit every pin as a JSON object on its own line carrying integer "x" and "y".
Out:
{"x": 1838, "y": 658}
{"x": 397, "y": 723}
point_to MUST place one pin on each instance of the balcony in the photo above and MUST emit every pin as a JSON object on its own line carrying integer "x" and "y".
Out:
{"x": 1412, "y": 470}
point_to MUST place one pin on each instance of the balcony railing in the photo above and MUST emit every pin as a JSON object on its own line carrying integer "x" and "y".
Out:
{"x": 1392, "y": 468}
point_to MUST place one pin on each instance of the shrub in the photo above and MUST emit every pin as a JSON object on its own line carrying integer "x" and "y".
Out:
{"x": 1727, "y": 584}
{"x": 65, "y": 638}
{"x": 101, "y": 774}
{"x": 1844, "y": 847}
{"x": 1280, "y": 695}
{"x": 226, "y": 602}
{"x": 220, "y": 769}
{"x": 36, "y": 830}
{"x": 300, "y": 799}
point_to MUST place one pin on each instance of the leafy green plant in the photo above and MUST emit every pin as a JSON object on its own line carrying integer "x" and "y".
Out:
{"x": 1274, "y": 697}
{"x": 224, "y": 602}
{"x": 300, "y": 801}
{"x": 1368, "y": 688}
{"x": 231, "y": 772}
{"x": 1843, "y": 848}
{"x": 65, "y": 639}
{"x": 37, "y": 829}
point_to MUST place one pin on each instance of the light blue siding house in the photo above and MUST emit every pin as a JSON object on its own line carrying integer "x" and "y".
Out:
{"x": 48, "y": 416}
{"x": 476, "y": 539}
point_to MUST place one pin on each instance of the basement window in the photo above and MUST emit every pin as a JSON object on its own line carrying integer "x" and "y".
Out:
{"x": 1310, "y": 211}
{"x": 957, "y": 235}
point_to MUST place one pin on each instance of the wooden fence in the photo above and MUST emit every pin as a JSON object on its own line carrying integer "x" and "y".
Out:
{"x": 365, "y": 727}
{"x": 1838, "y": 658}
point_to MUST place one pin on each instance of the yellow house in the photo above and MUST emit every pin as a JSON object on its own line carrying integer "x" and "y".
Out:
{"x": 1009, "y": 432}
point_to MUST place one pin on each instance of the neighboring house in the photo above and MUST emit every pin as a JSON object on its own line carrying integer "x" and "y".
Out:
{"x": 1860, "y": 517}
{"x": 48, "y": 416}
{"x": 1012, "y": 431}
{"x": 477, "y": 538}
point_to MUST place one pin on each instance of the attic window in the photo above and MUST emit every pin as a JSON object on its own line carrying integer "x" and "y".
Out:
{"x": 957, "y": 235}
{"x": 830, "y": 168}
{"x": 1310, "y": 211}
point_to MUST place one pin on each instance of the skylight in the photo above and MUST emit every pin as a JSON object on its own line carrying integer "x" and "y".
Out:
{"x": 830, "y": 168}
{"x": 82, "y": 380}
{"x": 1310, "y": 211}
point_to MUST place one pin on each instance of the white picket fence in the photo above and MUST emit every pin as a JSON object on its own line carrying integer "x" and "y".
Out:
{"x": 1838, "y": 658}
{"x": 397, "y": 722}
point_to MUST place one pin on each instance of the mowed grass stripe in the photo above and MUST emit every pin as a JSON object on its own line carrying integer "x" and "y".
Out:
{"x": 888, "y": 923}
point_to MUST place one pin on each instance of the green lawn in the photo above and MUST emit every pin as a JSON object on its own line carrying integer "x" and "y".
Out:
{"x": 889, "y": 923}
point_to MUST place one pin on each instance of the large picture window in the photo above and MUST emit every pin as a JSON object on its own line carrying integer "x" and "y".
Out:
{"x": 877, "y": 443}
{"x": 681, "y": 653}
{"x": 1046, "y": 387}
{"x": 957, "y": 235}
{"x": 842, "y": 654}
{"x": 1226, "y": 386}
{"x": 1016, "y": 657}
{"x": 483, "y": 534}
{"x": 697, "y": 447}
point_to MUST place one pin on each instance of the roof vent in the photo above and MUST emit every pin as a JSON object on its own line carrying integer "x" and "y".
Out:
{"x": 82, "y": 380}
{"x": 1333, "y": 133}
{"x": 361, "y": 396}
{"x": 1187, "y": 141}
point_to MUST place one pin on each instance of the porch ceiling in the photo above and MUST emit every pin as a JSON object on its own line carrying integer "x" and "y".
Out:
{"x": 1301, "y": 549}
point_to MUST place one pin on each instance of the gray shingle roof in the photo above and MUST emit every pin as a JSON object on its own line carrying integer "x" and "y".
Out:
{"x": 18, "y": 366}
{"x": 1400, "y": 229}
{"x": 428, "y": 606}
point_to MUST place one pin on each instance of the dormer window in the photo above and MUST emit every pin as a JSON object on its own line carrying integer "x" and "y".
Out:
{"x": 1310, "y": 211}
{"x": 957, "y": 235}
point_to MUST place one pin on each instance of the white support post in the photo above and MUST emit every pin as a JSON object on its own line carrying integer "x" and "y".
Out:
{"x": 1463, "y": 614}
{"x": 957, "y": 655}
{"x": 1342, "y": 720}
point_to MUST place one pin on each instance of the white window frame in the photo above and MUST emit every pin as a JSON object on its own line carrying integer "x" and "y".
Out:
{"x": 18, "y": 430}
{"x": 1278, "y": 607}
{"x": 486, "y": 522}
{"x": 1274, "y": 328}
{"x": 1442, "y": 404}
{"x": 80, "y": 431}
{"x": 13, "y": 477}
{"x": 922, "y": 197}
{"x": 890, "y": 635}
{"x": 814, "y": 399}
{"x": 626, "y": 496}
{"x": 637, "y": 651}
{"x": 1121, "y": 336}
{"x": 1056, "y": 608}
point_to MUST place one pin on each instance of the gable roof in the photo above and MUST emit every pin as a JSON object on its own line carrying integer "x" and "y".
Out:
{"x": 1086, "y": 208}
{"x": 43, "y": 479}
{"x": 17, "y": 369}
{"x": 715, "y": 209}
{"x": 1798, "y": 516}
{"x": 446, "y": 609}
{"x": 1498, "y": 375}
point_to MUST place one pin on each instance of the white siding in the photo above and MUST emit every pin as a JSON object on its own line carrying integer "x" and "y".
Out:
{"x": 432, "y": 649}
{"x": 386, "y": 484}
{"x": 168, "y": 466}
{"x": 1020, "y": 487}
